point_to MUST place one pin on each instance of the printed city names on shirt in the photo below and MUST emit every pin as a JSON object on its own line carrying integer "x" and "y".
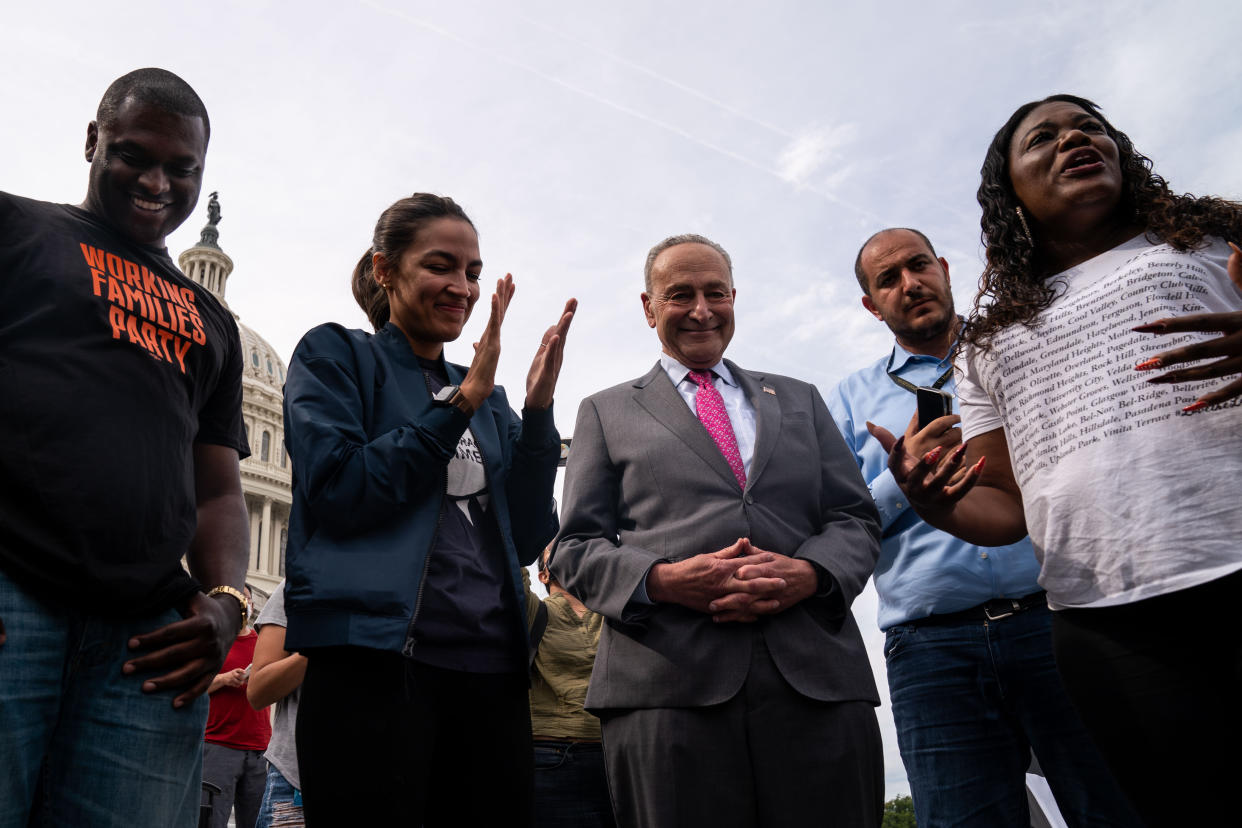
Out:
{"x": 1070, "y": 382}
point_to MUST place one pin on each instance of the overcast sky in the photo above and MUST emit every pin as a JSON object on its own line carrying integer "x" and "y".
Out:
{"x": 577, "y": 135}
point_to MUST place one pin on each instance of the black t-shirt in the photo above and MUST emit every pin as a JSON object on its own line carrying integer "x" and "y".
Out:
{"x": 112, "y": 365}
{"x": 465, "y": 619}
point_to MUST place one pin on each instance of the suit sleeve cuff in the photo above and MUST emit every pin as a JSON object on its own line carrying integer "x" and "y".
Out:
{"x": 828, "y": 596}
{"x": 640, "y": 604}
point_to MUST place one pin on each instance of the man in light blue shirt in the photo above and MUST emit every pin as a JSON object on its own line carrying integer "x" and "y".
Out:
{"x": 971, "y": 674}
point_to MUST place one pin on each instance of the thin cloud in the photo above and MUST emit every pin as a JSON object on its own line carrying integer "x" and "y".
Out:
{"x": 809, "y": 151}
{"x": 608, "y": 102}
{"x": 651, "y": 73}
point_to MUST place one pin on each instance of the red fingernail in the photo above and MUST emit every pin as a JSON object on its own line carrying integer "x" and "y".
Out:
{"x": 932, "y": 456}
{"x": 1149, "y": 327}
{"x": 957, "y": 455}
{"x": 1148, "y": 364}
{"x": 978, "y": 467}
{"x": 1194, "y": 406}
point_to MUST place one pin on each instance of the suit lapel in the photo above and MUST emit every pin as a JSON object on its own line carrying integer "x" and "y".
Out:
{"x": 767, "y": 419}
{"x": 655, "y": 393}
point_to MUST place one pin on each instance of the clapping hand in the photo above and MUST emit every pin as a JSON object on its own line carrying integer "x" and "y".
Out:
{"x": 541, "y": 381}
{"x": 480, "y": 379}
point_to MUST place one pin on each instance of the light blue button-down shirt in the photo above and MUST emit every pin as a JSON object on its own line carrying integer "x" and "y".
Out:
{"x": 921, "y": 570}
{"x": 740, "y": 410}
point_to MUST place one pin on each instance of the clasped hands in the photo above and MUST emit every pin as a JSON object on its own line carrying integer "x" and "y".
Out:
{"x": 738, "y": 583}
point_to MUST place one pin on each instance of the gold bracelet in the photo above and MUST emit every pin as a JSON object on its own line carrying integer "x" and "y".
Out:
{"x": 239, "y": 595}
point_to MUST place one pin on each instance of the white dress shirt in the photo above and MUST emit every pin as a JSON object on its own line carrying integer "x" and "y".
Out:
{"x": 740, "y": 410}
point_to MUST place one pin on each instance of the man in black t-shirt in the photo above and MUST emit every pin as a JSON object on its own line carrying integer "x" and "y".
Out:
{"x": 120, "y": 406}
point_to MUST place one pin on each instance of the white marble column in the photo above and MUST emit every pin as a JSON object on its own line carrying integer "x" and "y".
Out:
{"x": 273, "y": 564}
{"x": 254, "y": 539}
{"x": 265, "y": 547}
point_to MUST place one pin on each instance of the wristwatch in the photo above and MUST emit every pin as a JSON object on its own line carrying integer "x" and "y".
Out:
{"x": 236, "y": 593}
{"x": 451, "y": 395}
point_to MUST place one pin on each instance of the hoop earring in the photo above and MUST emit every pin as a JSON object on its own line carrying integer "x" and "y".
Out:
{"x": 1026, "y": 228}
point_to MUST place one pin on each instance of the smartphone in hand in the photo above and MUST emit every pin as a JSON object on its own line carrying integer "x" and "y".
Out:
{"x": 933, "y": 404}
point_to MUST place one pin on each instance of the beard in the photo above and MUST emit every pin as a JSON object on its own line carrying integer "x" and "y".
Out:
{"x": 929, "y": 327}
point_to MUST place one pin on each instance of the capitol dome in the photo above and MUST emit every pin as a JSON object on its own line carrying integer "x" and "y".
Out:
{"x": 266, "y": 474}
{"x": 261, "y": 362}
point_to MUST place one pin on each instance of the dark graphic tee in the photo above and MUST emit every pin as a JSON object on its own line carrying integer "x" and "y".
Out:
{"x": 465, "y": 617}
{"x": 112, "y": 366}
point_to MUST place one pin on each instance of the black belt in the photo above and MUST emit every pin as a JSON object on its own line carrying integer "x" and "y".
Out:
{"x": 993, "y": 610}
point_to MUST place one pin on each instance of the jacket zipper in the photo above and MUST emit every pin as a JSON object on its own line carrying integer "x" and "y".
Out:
{"x": 504, "y": 553}
{"x": 520, "y": 603}
{"x": 410, "y": 638}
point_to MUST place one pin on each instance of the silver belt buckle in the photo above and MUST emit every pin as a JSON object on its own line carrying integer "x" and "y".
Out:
{"x": 1014, "y": 608}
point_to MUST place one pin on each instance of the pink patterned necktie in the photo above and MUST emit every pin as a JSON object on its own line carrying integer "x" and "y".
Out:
{"x": 711, "y": 409}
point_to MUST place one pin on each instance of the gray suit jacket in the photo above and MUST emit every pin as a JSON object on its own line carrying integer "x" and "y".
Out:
{"x": 646, "y": 483}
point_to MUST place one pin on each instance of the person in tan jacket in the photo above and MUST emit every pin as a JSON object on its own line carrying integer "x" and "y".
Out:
{"x": 571, "y": 789}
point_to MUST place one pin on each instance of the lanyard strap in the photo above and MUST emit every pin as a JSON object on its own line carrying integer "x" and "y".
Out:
{"x": 909, "y": 386}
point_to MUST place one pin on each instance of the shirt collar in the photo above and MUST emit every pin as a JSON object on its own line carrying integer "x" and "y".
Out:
{"x": 677, "y": 372}
{"x": 902, "y": 357}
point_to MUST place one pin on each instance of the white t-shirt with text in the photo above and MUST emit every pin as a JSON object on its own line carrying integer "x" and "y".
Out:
{"x": 1126, "y": 497}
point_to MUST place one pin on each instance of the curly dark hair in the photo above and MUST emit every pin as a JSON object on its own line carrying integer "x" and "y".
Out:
{"x": 1015, "y": 286}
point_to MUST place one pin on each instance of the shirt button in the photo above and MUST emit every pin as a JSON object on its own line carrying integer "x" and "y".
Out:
{"x": 901, "y": 505}
{"x": 983, "y": 555}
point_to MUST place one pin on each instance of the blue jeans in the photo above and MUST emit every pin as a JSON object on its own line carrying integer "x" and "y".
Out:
{"x": 279, "y": 809}
{"x": 80, "y": 743}
{"x": 571, "y": 789}
{"x": 971, "y": 701}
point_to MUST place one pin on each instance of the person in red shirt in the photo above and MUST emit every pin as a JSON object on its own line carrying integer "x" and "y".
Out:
{"x": 235, "y": 738}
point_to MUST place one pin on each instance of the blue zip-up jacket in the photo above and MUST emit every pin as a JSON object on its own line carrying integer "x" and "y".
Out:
{"x": 369, "y": 453}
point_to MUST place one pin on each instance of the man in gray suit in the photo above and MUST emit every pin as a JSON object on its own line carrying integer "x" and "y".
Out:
{"x": 716, "y": 519}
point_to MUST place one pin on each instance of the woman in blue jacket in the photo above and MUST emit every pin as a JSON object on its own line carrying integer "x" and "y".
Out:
{"x": 418, "y": 496}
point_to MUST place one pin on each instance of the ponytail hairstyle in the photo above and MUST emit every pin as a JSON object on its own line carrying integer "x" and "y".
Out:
{"x": 396, "y": 230}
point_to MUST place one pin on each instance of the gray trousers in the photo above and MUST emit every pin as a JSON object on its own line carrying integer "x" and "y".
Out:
{"x": 241, "y": 776}
{"x": 767, "y": 758}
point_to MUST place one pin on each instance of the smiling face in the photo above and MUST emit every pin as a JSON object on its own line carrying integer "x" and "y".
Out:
{"x": 146, "y": 170}
{"x": 1064, "y": 168}
{"x": 908, "y": 290}
{"x": 691, "y": 304}
{"x": 435, "y": 284}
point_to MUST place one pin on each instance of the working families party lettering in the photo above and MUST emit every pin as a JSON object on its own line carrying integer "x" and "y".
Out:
{"x": 146, "y": 309}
